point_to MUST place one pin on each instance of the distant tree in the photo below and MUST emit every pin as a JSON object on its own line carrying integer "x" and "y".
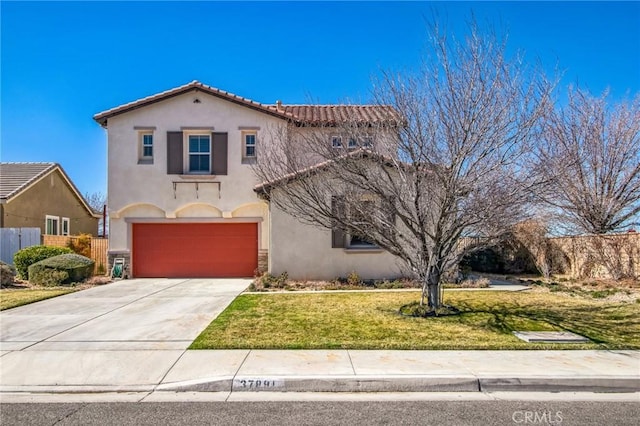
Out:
{"x": 449, "y": 168}
{"x": 589, "y": 155}
{"x": 97, "y": 201}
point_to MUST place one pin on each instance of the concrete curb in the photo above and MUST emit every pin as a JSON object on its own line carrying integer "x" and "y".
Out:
{"x": 560, "y": 384}
{"x": 362, "y": 384}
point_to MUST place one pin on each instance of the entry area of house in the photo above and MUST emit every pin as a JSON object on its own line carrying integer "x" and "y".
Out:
{"x": 194, "y": 250}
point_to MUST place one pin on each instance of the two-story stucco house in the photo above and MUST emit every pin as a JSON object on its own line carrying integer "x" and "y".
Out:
{"x": 181, "y": 193}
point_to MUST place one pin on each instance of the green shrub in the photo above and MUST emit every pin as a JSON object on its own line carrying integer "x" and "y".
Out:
{"x": 78, "y": 268}
{"x": 30, "y": 255}
{"x": 49, "y": 277}
{"x": 7, "y": 273}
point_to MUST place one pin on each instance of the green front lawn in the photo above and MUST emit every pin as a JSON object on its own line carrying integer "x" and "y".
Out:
{"x": 370, "y": 321}
{"x": 13, "y": 298}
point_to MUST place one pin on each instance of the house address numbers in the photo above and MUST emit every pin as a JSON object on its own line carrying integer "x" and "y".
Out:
{"x": 255, "y": 384}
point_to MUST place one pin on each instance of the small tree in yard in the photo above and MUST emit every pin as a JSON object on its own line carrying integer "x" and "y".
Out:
{"x": 444, "y": 161}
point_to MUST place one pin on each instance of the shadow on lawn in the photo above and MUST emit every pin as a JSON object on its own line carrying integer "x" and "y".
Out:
{"x": 613, "y": 325}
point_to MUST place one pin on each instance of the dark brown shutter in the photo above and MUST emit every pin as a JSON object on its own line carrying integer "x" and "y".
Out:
{"x": 219, "y": 151}
{"x": 174, "y": 153}
{"x": 338, "y": 211}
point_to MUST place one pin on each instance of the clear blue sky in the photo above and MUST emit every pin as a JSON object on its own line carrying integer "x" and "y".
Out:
{"x": 64, "y": 62}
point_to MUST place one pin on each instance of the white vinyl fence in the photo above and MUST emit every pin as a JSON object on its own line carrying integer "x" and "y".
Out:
{"x": 14, "y": 239}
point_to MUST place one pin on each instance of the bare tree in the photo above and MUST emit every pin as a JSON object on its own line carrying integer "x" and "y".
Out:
{"x": 96, "y": 200}
{"x": 441, "y": 162}
{"x": 589, "y": 154}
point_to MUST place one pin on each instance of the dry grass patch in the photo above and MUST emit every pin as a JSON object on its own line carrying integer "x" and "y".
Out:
{"x": 23, "y": 292}
{"x": 12, "y": 298}
{"x": 371, "y": 321}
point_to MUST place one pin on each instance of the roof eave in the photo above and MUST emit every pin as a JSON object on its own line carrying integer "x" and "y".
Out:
{"x": 103, "y": 117}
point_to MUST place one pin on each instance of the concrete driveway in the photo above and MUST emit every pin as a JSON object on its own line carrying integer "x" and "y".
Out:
{"x": 139, "y": 314}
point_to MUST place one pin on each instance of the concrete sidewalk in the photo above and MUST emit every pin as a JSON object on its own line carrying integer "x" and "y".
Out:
{"x": 318, "y": 371}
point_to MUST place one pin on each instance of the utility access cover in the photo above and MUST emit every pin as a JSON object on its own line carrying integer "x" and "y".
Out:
{"x": 550, "y": 337}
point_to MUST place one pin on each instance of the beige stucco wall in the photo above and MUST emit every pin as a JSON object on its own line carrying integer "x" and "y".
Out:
{"x": 52, "y": 196}
{"x": 141, "y": 192}
{"x": 304, "y": 252}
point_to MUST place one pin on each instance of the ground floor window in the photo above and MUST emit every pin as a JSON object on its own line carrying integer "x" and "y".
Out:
{"x": 52, "y": 226}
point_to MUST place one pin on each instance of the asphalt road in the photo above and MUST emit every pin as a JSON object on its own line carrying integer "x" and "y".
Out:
{"x": 458, "y": 413}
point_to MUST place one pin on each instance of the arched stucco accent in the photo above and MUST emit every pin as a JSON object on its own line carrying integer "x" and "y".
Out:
{"x": 255, "y": 209}
{"x": 139, "y": 210}
{"x": 197, "y": 210}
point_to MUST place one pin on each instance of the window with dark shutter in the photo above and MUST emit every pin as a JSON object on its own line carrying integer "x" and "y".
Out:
{"x": 219, "y": 154}
{"x": 174, "y": 153}
{"x": 337, "y": 210}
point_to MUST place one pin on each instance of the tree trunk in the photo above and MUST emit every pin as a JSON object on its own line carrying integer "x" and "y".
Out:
{"x": 431, "y": 289}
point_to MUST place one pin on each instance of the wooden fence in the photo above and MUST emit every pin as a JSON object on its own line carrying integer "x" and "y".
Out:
{"x": 99, "y": 247}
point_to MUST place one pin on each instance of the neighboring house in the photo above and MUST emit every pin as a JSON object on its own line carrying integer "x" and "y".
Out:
{"x": 41, "y": 195}
{"x": 181, "y": 189}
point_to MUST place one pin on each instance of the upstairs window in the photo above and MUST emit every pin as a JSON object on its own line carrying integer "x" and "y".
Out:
{"x": 249, "y": 150}
{"x": 147, "y": 145}
{"x": 199, "y": 153}
{"x": 353, "y": 143}
{"x": 336, "y": 142}
{"x": 367, "y": 142}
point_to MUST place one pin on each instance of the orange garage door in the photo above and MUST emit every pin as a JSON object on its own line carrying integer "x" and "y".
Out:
{"x": 193, "y": 250}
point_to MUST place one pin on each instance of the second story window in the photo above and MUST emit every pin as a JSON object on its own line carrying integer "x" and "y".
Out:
{"x": 199, "y": 154}
{"x": 147, "y": 145}
{"x": 336, "y": 142}
{"x": 353, "y": 143}
{"x": 249, "y": 145}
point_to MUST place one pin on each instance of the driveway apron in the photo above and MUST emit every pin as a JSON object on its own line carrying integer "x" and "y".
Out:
{"x": 127, "y": 332}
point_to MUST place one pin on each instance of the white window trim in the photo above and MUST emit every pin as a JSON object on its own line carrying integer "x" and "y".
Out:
{"x": 333, "y": 137}
{"x": 366, "y": 142}
{"x": 46, "y": 224}
{"x": 246, "y": 133}
{"x": 62, "y": 223}
{"x": 141, "y": 157}
{"x": 185, "y": 144}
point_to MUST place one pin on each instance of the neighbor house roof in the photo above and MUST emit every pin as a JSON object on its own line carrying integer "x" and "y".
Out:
{"x": 313, "y": 115}
{"x": 16, "y": 178}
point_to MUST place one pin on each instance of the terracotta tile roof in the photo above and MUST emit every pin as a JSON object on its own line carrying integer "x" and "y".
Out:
{"x": 313, "y": 115}
{"x": 14, "y": 177}
{"x": 334, "y": 114}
